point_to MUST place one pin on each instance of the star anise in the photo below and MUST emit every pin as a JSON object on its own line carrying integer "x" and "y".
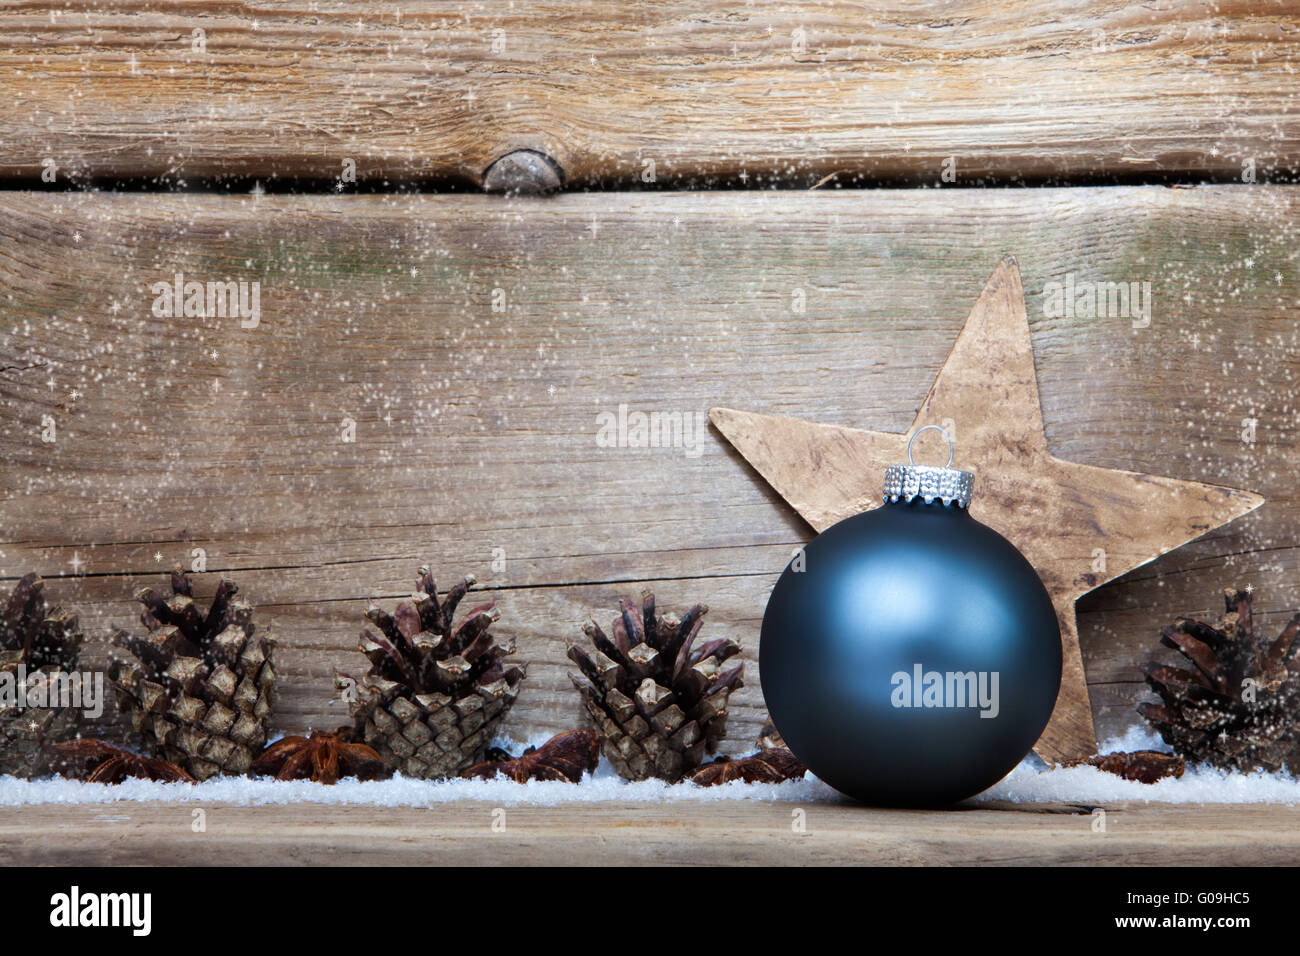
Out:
{"x": 1144, "y": 766}
{"x": 97, "y": 762}
{"x": 565, "y": 756}
{"x": 322, "y": 758}
{"x": 767, "y": 766}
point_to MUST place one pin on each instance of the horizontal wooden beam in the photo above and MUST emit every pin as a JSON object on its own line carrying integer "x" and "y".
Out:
{"x": 479, "y": 345}
{"x": 602, "y": 834}
{"x": 700, "y": 93}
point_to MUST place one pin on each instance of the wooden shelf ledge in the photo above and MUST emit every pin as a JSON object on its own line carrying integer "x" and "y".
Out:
{"x": 725, "y": 832}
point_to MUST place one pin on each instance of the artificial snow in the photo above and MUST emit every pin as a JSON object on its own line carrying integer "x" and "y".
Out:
{"x": 602, "y": 786}
{"x": 1031, "y": 782}
{"x": 1034, "y": 782}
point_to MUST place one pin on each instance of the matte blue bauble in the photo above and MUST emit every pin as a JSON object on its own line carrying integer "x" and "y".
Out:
{"x": 914, "y": 659}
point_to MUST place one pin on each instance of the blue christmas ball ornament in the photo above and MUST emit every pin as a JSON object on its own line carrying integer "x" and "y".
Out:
{"x": 911, "y": 656}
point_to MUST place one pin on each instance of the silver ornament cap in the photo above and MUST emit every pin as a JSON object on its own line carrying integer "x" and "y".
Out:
{"x": 907, "y": 482}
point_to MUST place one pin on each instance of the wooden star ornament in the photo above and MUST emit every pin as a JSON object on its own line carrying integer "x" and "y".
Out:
{"x": 1066, "y": 518}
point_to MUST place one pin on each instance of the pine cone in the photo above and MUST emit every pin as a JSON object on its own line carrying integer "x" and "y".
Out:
{"x": 658, "y": 703}
{"x": 197, "y": 688}
{"x": 769, "y": 738}
{"x": 36, "y": 645}
{"x": 1238, "y": 709}
{"x": 435, "y": 694}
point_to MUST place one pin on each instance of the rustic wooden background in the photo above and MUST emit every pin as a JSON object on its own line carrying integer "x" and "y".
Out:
{"x": 476, "y": 430}
{"x": 713, "y": 91}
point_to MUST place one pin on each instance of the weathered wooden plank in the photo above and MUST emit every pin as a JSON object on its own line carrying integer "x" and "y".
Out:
{"x": 477, "y": 430}
{"x": 693, "y": 93}
{"x": 603, "y": 834}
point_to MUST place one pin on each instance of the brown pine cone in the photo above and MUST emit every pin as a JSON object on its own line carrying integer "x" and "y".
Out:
{"x": 196, "y": 688}
{"x": 38, "y": 645}
{"x": 435, "y": 694}
{"x": 658, "y": 701}
{"x": 1237, "y": 708}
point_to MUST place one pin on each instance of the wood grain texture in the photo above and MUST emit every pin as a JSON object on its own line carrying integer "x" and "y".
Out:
{"x": 477, "y": 430}
{"x": 605, "y": 834}
{"x": 711, "y": 92}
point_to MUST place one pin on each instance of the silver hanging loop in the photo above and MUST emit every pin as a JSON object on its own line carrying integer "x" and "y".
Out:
{"x": 950, "y": 485}
{"x": 946, "y": 437}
